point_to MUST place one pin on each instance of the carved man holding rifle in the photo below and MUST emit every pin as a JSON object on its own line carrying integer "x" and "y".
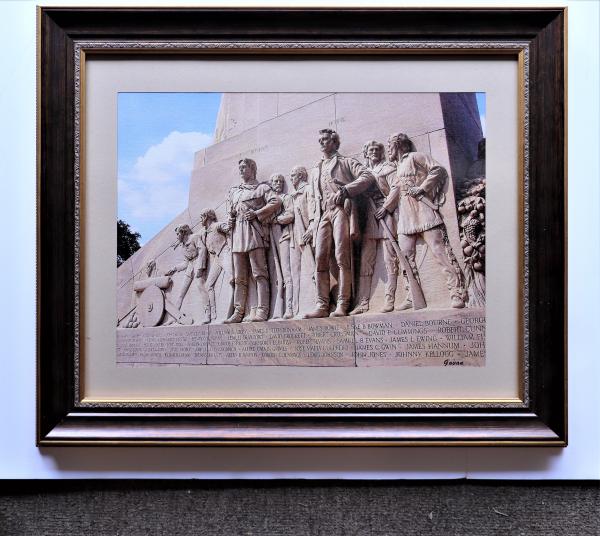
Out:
{"x": 418, "y": 195}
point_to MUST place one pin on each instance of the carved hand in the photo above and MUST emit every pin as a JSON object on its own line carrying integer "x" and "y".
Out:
{"x": 171, "y": 271}
{"x": 250, "y": 215}
{"x": 307, "y": 236}
{"x": 381, "y": 213}
{"x": 340, "y": 196}
{"x": 415, "y": 191}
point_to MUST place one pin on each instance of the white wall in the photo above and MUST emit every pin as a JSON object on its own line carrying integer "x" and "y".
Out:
{"x": 19, "y": 458}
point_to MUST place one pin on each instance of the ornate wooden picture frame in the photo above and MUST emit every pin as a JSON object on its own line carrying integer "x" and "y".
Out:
{"x": 535, "y": 39}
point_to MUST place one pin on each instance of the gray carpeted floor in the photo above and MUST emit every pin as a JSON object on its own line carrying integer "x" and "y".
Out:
{"x": 307, "y": 508}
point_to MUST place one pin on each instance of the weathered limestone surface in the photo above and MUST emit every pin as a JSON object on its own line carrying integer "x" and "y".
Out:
{"x": 327, "y": 342}
{"x": 452, "y": 337}
{"x": 443, "y": 337}
{"x": 180, "y": 345}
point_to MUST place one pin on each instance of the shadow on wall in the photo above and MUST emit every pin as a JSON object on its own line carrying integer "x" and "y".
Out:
{"x": 282, "y": 462}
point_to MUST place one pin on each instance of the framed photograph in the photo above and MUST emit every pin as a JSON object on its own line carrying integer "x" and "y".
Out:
{"x": 301, "y": 227}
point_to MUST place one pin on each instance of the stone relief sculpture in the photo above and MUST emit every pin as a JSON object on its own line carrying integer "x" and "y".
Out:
{"x": 151, "y": 302}
{"x": 132, "y": 319}
{"x": 471, "y": 213}
{"x": 416, "y": 197}
{"x": 334, "y": 221}
{"x": 298, "y": 247}
{"x": 187, "y": 241}
{"x": 375, "y": 231}
{"x": 250, "y": 206}
{"x": 400, "y": 198}
{"x": 293, "y": 241}
{"x": 214, "y": 258}
{"x": 281, "y": 233}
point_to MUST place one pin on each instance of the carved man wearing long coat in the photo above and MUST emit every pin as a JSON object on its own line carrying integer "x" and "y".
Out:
{"x": 250, "y": 206}
{"x": 334, "y": 220}
{"x": 300, "y": 197}
{"x": 385, "y": 173}
{"x": 281, "y": 237}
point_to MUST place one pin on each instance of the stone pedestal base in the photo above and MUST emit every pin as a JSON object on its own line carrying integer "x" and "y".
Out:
{"x": 449, "y": 337}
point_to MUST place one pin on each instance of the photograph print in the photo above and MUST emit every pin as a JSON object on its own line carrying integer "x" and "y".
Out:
{"x": 301, "y": 229}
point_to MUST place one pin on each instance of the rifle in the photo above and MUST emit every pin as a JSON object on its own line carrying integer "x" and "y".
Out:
{"x": 229, "y": 238}
{"x": 416, "y": 291}
{"x": 278, "y": 271}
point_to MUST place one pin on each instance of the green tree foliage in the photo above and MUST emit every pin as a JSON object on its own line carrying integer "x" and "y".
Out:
{"x": 127, "y": 242}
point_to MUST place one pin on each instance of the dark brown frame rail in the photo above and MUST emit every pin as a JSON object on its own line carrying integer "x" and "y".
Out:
{"x": 63, "y": 422}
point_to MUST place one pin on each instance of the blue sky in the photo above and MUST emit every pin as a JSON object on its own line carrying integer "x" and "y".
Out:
{"x": 481, "y": 106}
{"x": 158, "y": 134}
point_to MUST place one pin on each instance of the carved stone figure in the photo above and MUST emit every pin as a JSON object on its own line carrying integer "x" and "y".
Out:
{"x": 471, "y": 213}
{"x": 300, "y": 198}
{"x": 131, "y": 319}
{"x": 374, "y": 232}
{"x": 281, "y": 233}
{"x": 151, "y": 301}
{"x": 417, "y": 194}
{"x": 250, "y": 206}
{"x": 214, "y": 258}
{"x": 334, "y": 220}
{"x": 187, "y": 241}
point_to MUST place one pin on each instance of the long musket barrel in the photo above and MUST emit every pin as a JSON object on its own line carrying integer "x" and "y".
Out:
{"x": 416, "y": 291}
{"x": 278, "y": 270}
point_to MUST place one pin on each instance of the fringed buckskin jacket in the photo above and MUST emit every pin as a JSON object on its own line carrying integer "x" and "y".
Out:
{"x": 414, "y": 216}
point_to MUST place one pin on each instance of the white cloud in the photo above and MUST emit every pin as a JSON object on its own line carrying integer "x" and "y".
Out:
{"x": 155, "y": 189}
{"x": 483, "y": 125}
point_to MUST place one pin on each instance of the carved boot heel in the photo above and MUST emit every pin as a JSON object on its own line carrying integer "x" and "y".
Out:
{"x": 322, "y": 308}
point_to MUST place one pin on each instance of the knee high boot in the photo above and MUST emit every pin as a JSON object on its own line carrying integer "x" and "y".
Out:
{"x": 322, "y": 308}
{"x": 364, "y": 293}
{"x": 390, "y": 293}
{"x": 240, "y": 293}
{"x": 407, "y": 303}
{"x": 289, "y": 301}
{"x": 210, "y": 311}
{"x": 262, "y": 305}
{"x": 344, "y": 291}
